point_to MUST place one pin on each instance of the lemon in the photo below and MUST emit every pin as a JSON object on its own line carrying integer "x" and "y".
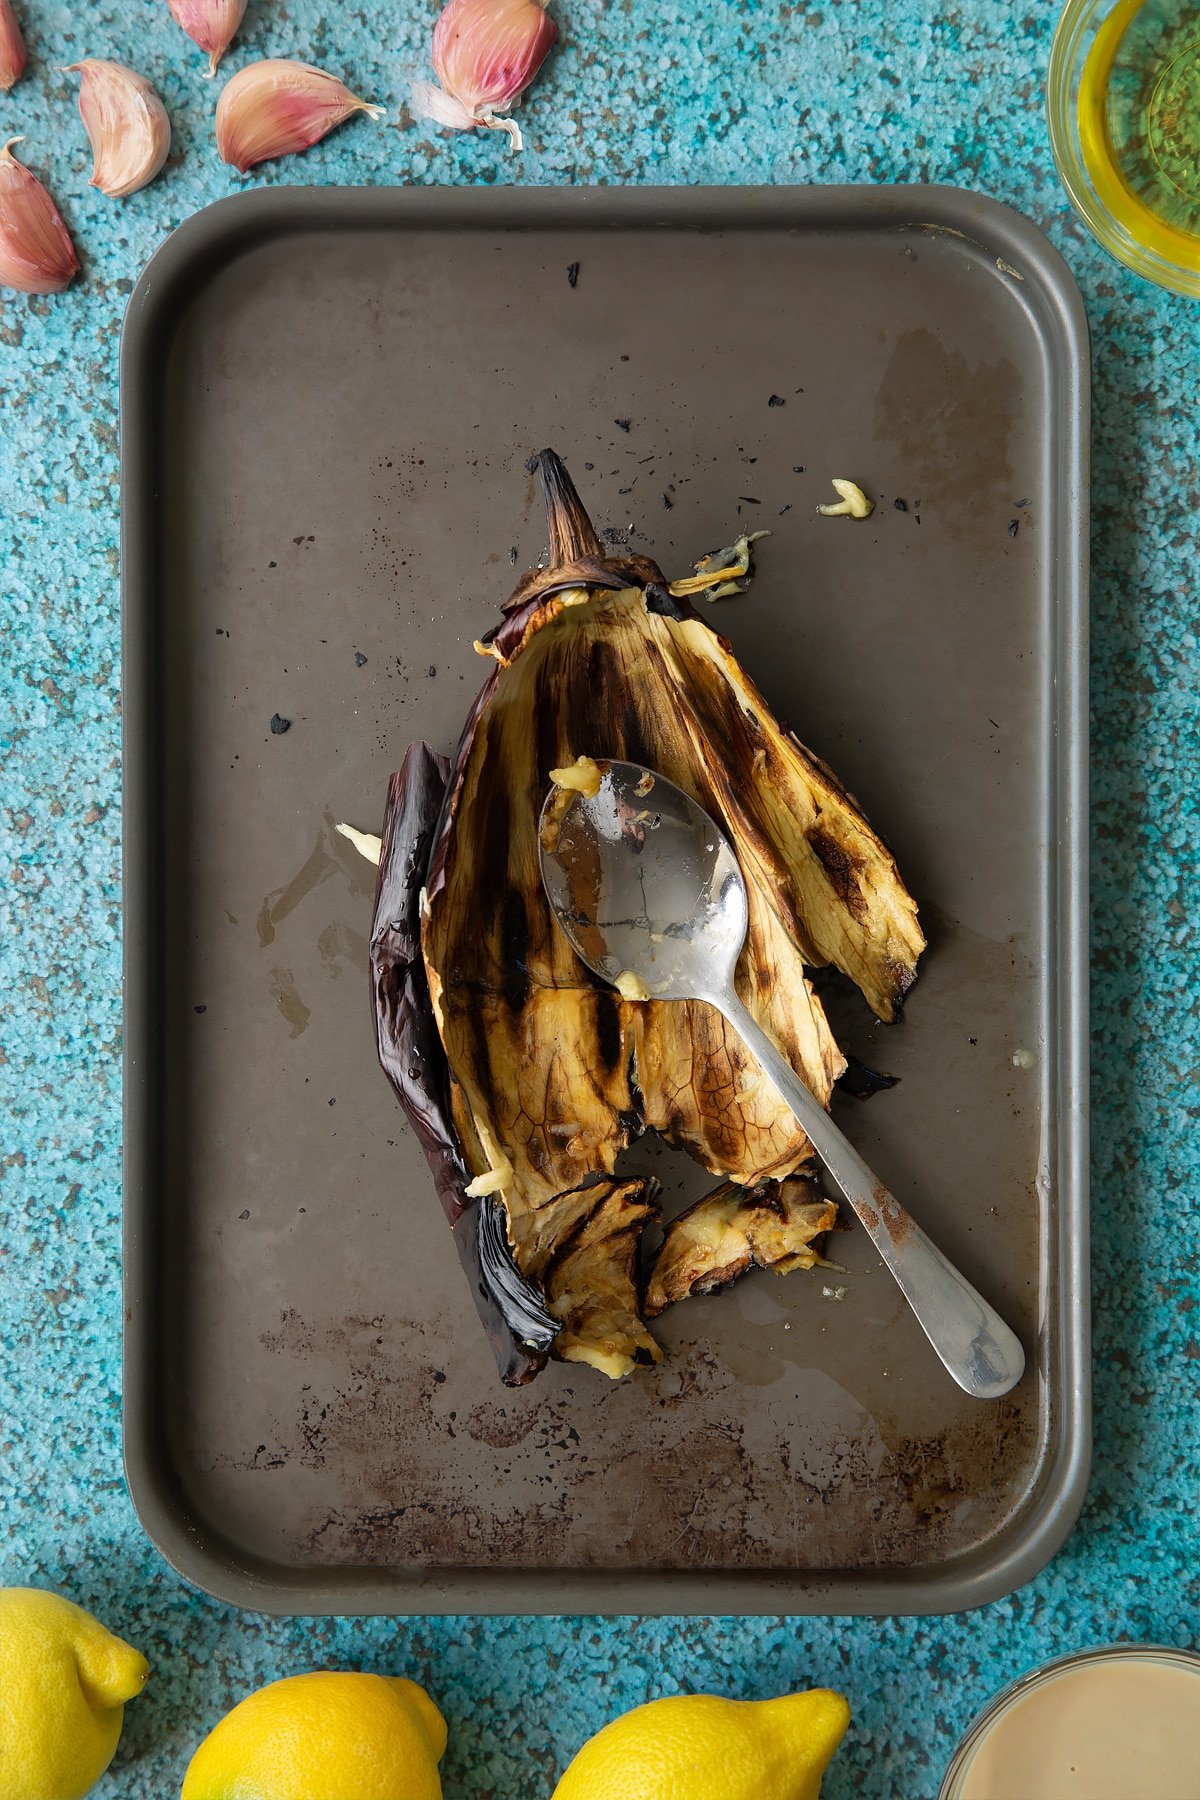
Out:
{"x": 696, "y": 1747}
{"x": 64, "y": 1680}
{"x": 325, "y": 1736}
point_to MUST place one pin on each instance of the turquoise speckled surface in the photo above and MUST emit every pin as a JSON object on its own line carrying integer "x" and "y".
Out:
{"x": 722, "y": 91}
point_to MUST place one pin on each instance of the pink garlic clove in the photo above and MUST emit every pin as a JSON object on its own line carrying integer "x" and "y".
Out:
{"x": 212, "y": 24}
{"x": 485, "y": 53}
{"x": 36, "y": 252}
{"x": 126, "y": 123}
{"x": 12, "y": 47}
{"x": 276, "y": 107}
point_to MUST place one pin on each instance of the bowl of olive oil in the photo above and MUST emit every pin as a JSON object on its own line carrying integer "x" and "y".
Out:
{"x": 1123, "y": 98}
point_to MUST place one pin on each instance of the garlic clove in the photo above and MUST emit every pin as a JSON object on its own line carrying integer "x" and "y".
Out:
{"x": 36, "y": 252}
{"x": 275, "y": 107}
{"x": 12, "y": 47}
{"x": 365, "y": 842}
{"x": 126, "y": 123}
{"x": 853, "y": 504}
{"x": 212, "y": 24}
{"x": 485, "y": 54}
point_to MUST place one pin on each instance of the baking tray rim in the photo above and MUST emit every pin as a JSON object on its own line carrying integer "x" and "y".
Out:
{"x": 200, "y": 1554}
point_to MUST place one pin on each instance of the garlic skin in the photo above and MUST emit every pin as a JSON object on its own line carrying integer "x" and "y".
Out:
{"x": 275, "y": 107}
{"x": 126, "y": 123}
{"x": 211, "y": 24}
{"x": 36, "y": 252}
{"x": 722, "y": 572}
{"x": 12, "y": 47}
{"x": 485, "y": 54}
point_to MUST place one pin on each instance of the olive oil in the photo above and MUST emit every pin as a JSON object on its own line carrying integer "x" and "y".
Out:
{"x": 1139, "y": 123}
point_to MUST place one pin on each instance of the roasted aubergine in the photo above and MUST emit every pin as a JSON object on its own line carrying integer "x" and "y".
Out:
{"x": 523, "y": 1075}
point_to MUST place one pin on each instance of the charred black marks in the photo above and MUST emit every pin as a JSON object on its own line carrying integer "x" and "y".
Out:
{"x": 496, "y": 832}
{"x": 661, "y": 600}
{"x": 611, "y": 701}
{"x": 514, "y": 947}
{"x": 632, "y": 1123}
{"x": 608, "y": 1029}
{"x": 841, "y": 870}
{"x": 545, "y": 713}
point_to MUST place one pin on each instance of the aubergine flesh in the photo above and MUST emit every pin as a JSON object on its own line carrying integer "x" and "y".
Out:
{"x": 525, "y": 1076}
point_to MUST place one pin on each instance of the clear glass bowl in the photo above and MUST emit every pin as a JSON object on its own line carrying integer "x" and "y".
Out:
{"x": 981, "y": 1726}
{"x": 1123, "y": 103}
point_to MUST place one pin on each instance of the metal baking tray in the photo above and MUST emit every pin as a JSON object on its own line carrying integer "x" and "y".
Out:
{"x": 328, "y": 400}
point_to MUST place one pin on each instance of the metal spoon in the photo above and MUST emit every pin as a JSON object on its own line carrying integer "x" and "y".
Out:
{"x": 643, "y": 883}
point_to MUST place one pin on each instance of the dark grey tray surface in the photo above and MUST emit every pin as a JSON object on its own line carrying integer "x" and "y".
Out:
{"x": 328, "y": 399}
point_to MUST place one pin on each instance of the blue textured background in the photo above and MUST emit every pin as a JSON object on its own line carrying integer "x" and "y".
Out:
{"x": 720, "y": 91}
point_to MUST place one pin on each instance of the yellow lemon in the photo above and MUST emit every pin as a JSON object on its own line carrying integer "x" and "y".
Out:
{"x": 696, "y": 1747}
{"x": 324, "y": 1736}
{"x": 64, "y": 1680}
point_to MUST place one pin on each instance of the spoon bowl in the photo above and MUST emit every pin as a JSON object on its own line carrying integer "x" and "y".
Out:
{"x": 642, "y": 881}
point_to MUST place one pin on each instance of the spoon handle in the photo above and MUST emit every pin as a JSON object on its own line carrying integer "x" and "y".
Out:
{"x": 974, "y": 1343}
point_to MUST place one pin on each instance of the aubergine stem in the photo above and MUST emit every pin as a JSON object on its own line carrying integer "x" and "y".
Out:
{"x": 572, "y": 534}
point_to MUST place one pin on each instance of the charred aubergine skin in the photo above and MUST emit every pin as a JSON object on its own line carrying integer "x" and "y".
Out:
{"x": 524, "y": 1076}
